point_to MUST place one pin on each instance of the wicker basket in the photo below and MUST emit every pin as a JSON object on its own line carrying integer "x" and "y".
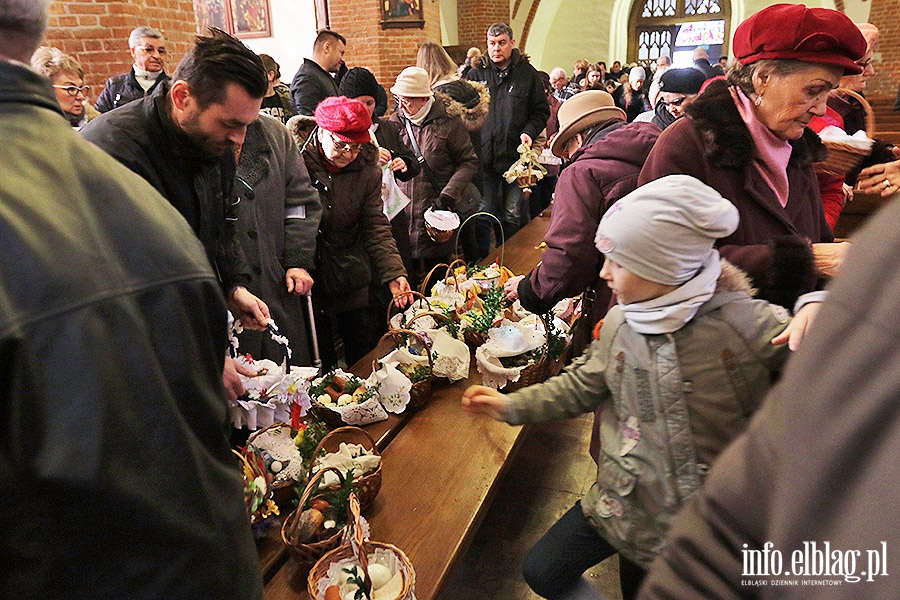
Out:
{"x": 536, "y": 372}
{"x": 527, "y": 181}
{"x": 282, "y": 491}
{"x": 359, "y": 550}
{"x": 423, "y": 289}
{"x": 367, "y": 486}
{"x": 843, "y": 158}
{"x": 305, "y": 555}
{"x": 420, "y": 392}
{"x": 417, "y": 295}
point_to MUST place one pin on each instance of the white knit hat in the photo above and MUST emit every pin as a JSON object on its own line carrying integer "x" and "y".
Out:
{"x": 412, "y": 82}
{"x": 664, "y": 230}
{"x": 637, "y": 74}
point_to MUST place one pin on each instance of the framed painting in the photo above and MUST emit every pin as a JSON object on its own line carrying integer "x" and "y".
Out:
{"x": 402, "y": 13}
{"x": 212, "y": 13}
{"x": 251, "y": 18}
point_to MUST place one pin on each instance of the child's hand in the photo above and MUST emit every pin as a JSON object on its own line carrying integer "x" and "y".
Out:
{"x": 799, "y": 326}
{"x": 479, "y": 399}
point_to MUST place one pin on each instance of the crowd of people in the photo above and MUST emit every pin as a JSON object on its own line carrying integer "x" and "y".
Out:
{"x": 687, "y": 212}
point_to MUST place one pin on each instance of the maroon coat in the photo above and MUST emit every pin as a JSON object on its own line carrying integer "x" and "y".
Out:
{"x": 772, "y": 244}
{"x": 601, "y": 172}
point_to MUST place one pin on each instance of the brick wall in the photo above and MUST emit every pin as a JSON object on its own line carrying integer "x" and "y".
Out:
{"x": 385, "y": 52}
{"x": 883, "y": 15}
{"x": 96, "y": 32}
{"x": 475, "y": 16}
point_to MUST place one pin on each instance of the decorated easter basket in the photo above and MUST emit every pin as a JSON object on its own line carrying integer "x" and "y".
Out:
{"x": 420, "y": 300}
{"x": 306, "y": 554}
{"x": 356, "y": 553}
{"x": 448, "y": 275}
{"x": 843, "y": 158}
{"x": 363, "y": 412}
{"x": 367, "y": 486}
{"x": 257, "y": 491}
{"x": 420, "y": 391}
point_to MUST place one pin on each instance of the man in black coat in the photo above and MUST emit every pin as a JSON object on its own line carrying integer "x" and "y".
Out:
{"x": 518, "y": 114}
{"x": 181, "y": 139}
{"x": 148, "y": 48}
{"x": 313, "y": 81}
{"x": 117, "y": 474}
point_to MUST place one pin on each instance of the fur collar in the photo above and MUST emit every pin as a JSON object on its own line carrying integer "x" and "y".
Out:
{"x": 727, "y": 141}
{"x": 473, "y": 117}
{"x": 733, "y": 279}
{"x": 302, "y": 129}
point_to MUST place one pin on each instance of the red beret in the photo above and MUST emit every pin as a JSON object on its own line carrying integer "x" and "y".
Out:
{"x": 794, "y": 32}
{"x": 347, "y": 119}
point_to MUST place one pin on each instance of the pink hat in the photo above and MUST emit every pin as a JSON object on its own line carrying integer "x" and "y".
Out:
{"x": 793, "y": 32}
{"x": 347, "y": 119}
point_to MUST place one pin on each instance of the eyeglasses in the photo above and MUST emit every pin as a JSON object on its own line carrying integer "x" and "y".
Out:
{"x": 152, "y": 50}
{"x": 342, "y": 146}
{"x": 74, "y": 90}
{"x": 678, "y": 102}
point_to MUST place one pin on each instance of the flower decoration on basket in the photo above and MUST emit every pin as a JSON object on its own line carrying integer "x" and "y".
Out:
{"x": 361, "y": 569}
{"x": 275, "y": 393}
{"x": 257, "y": 490}
{"x": 527, "y": 170}
{"x": 287, "y": 450}
{"x": 341, "y": 398}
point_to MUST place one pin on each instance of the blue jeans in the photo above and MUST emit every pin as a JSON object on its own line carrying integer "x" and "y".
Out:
{"x": 553, "y": 567}
{"x": 504, "y": 201}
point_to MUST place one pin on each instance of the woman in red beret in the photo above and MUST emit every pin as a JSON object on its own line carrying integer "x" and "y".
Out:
{"x": 747, "y": 137}
{"x": 354, "y": 247}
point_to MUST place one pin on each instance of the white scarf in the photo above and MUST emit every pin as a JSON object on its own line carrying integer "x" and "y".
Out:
{"x": 146, "y": 79}
{"x": 670, "y": 312}
{"x": 419, "y": 118}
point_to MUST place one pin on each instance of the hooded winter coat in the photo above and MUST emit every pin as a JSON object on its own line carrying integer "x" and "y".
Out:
{"x": 447, "y": 149}
{"x": 518, "y": 105}
{"x": 601, "y": 172}
{"x": 772, "y": 243}
{"x": 351, "y": 207}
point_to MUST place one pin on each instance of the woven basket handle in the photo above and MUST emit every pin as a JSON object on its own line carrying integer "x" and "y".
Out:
{"x": 424, "y": 288}
{"x": 357, "y": 541}
{"x": 335, "y": 433}
{"x": 291, "y": 533}
{"x": 870, "y": 114}
{"x": 430, "y": 313}
{"x": 414, "y": 293}
{"x": 394, "y": 334}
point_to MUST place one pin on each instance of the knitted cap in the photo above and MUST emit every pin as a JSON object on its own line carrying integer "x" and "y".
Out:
{"x": 347, "y": 119}
{"x": 793, "y": 32}
{"x": 412, "y": 82}
{"x": 663, "y": 231}
{"x": 637, "y": 74}
{"x": 359, "y": 82}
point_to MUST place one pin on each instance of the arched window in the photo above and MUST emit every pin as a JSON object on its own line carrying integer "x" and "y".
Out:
{"x": 658, "y": 27}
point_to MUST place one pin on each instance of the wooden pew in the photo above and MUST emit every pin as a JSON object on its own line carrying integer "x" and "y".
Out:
{"x": 441, "y": 468}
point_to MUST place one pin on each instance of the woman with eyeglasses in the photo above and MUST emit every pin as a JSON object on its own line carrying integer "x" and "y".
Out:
{"x": 354, "y": 245}
{"x": 747, "y": 137}
{"x": 67, "y": 77}
{"x": 677, "y": 89}
{"x": 444, "y": 149}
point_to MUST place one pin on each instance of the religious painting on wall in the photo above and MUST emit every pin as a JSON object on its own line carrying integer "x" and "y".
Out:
{"x": 212, "y": 13}
{"x": 251, "y": 18}
{"x": 402, "y": 13}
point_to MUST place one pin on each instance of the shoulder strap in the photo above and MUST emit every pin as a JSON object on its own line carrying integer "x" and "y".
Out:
{"x": 415, "y": 146}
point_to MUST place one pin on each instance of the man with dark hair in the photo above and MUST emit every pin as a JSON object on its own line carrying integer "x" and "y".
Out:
{"x": 148, "y": 48}
{"x": 518, "y": 113}
{"x": 117, "y": 475}
{"x": 277, "y": 102}
{"x": 313, "y": 81}
{"x": 181, "y": 139}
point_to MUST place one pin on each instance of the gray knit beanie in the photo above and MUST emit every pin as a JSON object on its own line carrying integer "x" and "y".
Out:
{"x": 664, "y": 230}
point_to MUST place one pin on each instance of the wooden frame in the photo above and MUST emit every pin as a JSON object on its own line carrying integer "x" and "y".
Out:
{"x": 396, "y": 14}
{"x": 251, "y": 18}
{"x": 212, "y": 13}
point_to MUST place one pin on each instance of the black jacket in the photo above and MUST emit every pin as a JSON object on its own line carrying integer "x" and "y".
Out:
{"x": 122, "y": 89}
{"x": 143, "y": 137}
{"x": 311, "y": 85}
{"x": 117, "y": 475}
{"x": 518, "y": 105}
